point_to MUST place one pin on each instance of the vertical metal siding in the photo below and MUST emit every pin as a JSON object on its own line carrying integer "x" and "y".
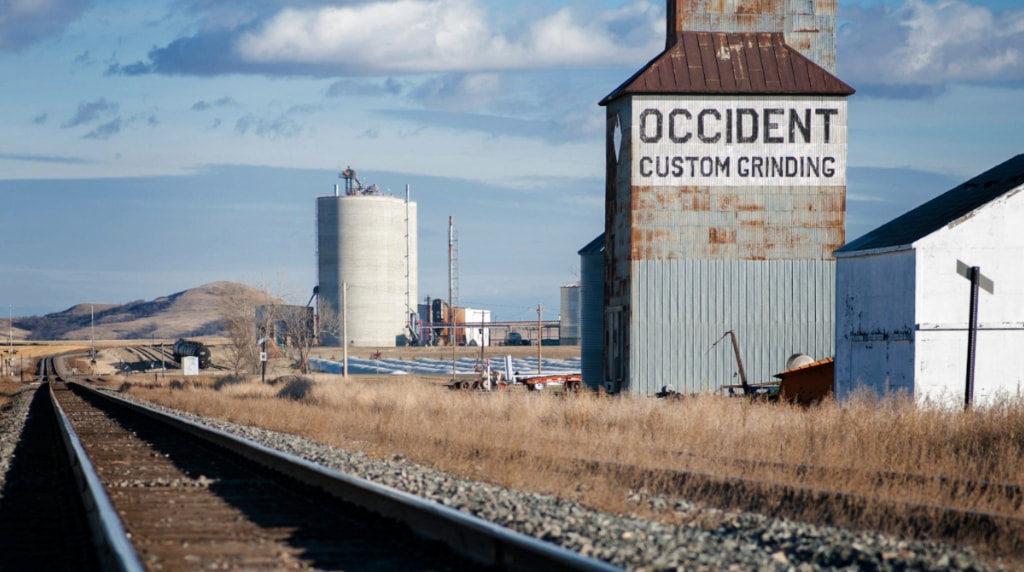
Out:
{"x": 682, "y": 307}
{"x": 592, "y": 315}
{"x": 809, "y": 25}
{"x": 569, "y": 316}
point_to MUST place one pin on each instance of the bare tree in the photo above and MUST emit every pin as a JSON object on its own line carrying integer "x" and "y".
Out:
{"x": 296, "y": 327}
{"x": 238, "y": 312}
{"x": 329, "y": 322}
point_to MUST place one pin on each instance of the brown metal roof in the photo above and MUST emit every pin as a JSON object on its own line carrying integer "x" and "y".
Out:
{"x": 716, "y": 63}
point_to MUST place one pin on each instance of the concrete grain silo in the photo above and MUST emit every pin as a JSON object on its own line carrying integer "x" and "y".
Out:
{"x": 367, "y": 240}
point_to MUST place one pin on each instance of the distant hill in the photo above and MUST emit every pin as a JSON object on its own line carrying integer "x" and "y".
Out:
{"x": 190, "y": 313}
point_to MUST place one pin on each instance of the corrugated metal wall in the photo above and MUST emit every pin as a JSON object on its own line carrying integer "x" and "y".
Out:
{"x": 809, "y": 25}
{"x": 592, "y": 315}
{"x": 361, "y": 240}
{"x": 569, "y": 316}
{"x": 682, "y": 307}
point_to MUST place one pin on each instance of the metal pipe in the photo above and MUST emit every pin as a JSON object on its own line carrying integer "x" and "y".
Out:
{"x": 451, "y": 290}
{"x": 409, "y": 311}
{"x": 739, "y": 363}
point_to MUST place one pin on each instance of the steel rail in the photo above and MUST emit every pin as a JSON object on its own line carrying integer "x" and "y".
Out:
{"x": 476, "y": 538}
{"x": 108, "y": 534}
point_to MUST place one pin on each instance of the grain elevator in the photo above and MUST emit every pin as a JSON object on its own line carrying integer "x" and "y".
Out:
{"x": 366, "y": 240}
{"x": 725, "y": 197}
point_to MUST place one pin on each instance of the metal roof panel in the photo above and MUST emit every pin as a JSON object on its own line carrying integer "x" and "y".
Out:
{"x": 696, "y": 63}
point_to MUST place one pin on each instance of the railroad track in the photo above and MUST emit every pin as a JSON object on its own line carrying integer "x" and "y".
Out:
{"x": 188, "y": 497}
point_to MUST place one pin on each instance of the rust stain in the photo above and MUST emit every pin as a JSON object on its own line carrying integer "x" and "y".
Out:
{"x": 722, "y": 235}
{"x": 759, "y": 7}
{"x": 752, "y": 252}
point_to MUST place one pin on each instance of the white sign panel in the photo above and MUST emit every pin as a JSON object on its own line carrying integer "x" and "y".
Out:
{"x": 190, "y": 365}
{"x": 739, "y": 142}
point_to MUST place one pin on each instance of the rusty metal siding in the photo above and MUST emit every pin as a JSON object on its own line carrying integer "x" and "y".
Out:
{"x": 808, "y": 25}
{"x": 740, "y": 223}
{"x": 617, "y": 245}
{"x": 682, "y": 307}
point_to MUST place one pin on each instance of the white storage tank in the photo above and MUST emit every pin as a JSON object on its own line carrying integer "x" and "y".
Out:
{"x": 569, "y": 321}
{"x": 368, "y": 241}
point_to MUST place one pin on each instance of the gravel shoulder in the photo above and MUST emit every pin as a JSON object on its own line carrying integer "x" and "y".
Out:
{"x": 713, "y": 540}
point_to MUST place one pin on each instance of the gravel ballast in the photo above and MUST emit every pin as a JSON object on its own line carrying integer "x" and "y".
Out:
{"x": 723, "y": 540}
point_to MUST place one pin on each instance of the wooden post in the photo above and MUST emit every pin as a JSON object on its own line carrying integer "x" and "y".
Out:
{"x": 972, "y": 273}
{"x": 540, "y": 337}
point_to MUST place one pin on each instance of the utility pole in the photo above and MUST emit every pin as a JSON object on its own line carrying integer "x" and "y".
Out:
{"x": 540, "y": 336}
{"x": 344, "y": 327}
{"x": 451, "y": 290}
{"x": 10, "y": 338}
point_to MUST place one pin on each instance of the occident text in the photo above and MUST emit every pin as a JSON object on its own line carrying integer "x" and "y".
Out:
{"x": 718, "y": 143}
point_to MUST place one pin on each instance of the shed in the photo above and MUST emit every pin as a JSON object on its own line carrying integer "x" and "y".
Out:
{"x": 725, "y": 198}
{"x": 902, "y": 308}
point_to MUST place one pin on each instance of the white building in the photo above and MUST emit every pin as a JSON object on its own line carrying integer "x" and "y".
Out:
{"x": 902, "y": 308}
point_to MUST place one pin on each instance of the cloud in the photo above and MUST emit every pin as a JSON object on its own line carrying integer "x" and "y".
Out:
{"x": 365, "y": 88}
{"x": 40, "y": 119}
{"x": 272, "y": 128}
{"x": 45, "y": 159}
{"x": 106, "y": 130}
{"x": 410, "y": 37}
{"x": 460, "y": 91}
{"x": 91, "y": 111}
{"x": 203, "y": 105}
{"x": 494, "y": 125}
{"x": 914, "y": 50}
{"x": 26, "y": 22}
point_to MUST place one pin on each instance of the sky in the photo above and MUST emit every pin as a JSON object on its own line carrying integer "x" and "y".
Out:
{"x": 151, "y": 146}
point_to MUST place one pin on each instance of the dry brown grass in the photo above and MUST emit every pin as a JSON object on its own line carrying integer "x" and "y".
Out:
{"x": 8, "y": 387}
{"x": 520, "y": 439}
